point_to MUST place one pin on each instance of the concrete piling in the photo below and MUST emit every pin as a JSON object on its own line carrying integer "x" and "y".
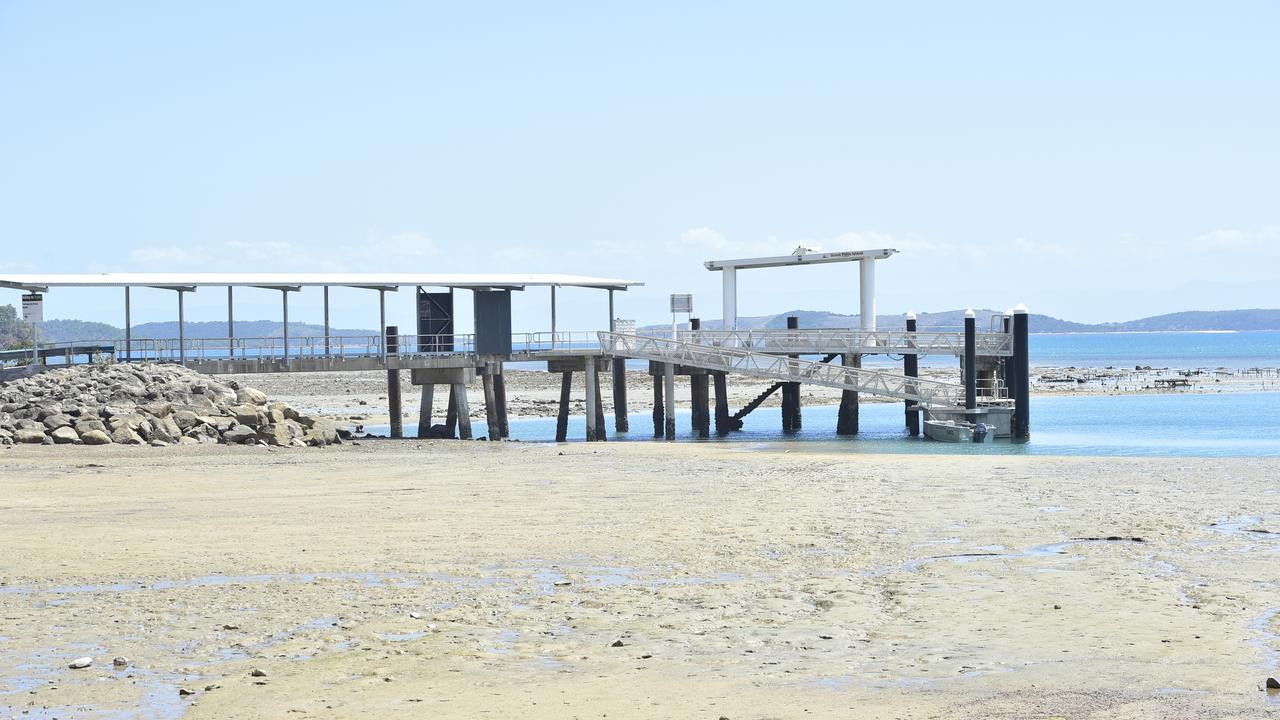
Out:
{"x": 462, "y": 409}
{"x": 424, "y": 409}
{"x": 593, "y": 389}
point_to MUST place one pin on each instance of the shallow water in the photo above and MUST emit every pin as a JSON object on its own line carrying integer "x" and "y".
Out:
{"x": 1225, "y": 425}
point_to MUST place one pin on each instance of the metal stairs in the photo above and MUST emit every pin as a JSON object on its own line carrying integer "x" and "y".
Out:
{"x": 929, "y": 393}
{"x": 759, "y": 399}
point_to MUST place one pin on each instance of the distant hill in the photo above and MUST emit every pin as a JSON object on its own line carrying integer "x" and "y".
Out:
{"x": 14, "y": 333}
{"x": 55, "y": 331}
{"x": 1238, "y": 320}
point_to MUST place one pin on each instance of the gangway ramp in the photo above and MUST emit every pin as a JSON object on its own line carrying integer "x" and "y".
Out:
{"x": 929, "y": 393}
{"x": 822, "y": 341}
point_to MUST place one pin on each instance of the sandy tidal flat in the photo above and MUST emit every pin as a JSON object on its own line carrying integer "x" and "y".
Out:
{"x": 446, "y": 579}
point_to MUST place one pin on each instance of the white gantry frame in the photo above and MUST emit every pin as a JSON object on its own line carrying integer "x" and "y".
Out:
{"x": 866, "y": 277}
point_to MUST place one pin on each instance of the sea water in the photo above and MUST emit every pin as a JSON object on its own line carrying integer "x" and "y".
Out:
{"x": 1228, "y": 424}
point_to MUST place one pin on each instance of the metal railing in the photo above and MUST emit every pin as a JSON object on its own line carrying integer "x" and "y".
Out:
{"x": 821, "y": 341}
{"x": 931, "y": 393}
{"x": 560, "y": 340}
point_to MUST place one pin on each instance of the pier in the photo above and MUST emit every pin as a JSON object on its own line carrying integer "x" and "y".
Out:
{"x": 993, "y": 386}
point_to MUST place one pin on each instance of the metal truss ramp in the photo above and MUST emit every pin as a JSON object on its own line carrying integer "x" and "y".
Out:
{"x": 929, "y": 393}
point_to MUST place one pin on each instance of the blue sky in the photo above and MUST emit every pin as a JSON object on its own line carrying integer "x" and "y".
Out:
{"x": 1096, "y": 161}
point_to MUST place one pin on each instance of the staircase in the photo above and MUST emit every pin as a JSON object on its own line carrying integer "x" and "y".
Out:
{"x": 755, "y": 403}
{"x": 928, "y": 393}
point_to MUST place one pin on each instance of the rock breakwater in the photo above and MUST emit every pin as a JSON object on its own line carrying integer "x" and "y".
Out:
{"x": 151, "y": 404}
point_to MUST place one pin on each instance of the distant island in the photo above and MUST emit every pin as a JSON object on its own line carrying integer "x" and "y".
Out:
{"x": 1194, "y": 320}
{"x": 14, "y": 333}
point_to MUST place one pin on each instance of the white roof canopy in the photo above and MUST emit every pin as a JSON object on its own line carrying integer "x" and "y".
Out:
{"x": 805, "y": 258}
{"x": 388, "y": 281}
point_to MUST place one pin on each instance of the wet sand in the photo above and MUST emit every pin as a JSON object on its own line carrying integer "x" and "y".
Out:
{"x": 448, "y": 579}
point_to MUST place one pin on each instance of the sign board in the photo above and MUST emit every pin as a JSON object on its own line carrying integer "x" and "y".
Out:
{"x": 681, "y": 303}
{"x": 33, "y": 308}
{"x": 624, "y": 327}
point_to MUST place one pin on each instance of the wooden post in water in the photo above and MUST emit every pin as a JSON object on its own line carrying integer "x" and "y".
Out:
{"x": 500, "y": 392}
{"x": 722, "y": 402}
{"x": 1021, "y": 425}
{"x": 492, "y": 426}
{"x": 562, "y": 417}
{"x": 669, "y": 384}
{"x": 393, "y": 379}
{"x": 911, "y": 369}
{"x": 658, "y": 412}
{"x": 847, "y": 415}
{"x": 698, "y": 394}
{"x": 970, "y": 361}
{"x": 791, "y": 392}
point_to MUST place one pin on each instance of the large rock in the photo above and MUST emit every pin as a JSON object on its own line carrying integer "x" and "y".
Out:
{"x": 279, "y": 434}
{"x": 245, "y": 414}
{"x": 125, "y": 436}
{"x": 27, "y": 435}
{"x": 95, "y": 437}
{"x": 239, "y": 435}
{"x": 185, "y": 419}
{"x": 56, "y": 420}
{"x": 84, "y": 426}
{"x": 65, "y": 435}
{"x": 251, "y": 396}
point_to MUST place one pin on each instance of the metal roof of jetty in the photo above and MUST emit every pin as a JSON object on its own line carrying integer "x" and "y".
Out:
{"x": 292, "y": 280}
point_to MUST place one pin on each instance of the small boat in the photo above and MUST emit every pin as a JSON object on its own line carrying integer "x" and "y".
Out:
{"x": 957, "y": 432}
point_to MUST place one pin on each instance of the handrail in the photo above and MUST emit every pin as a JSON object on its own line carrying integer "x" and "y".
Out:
{"x": 828, "y": 340}
{"x": 927, "y": 392}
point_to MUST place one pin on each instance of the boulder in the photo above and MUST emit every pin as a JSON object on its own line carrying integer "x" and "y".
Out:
{"x": 56, "y": 421}
{"x": 250, "y": 396}
{"x": 276, "y": 434}
{"x": 84, "y": 426}
{"x": 239, "y": 435}
{"x": 27, "y": 435}
{"x": 125, "y": 436}
{"x": 95, "y": 437}
{"x": 186, "y": 419}
{"x": 245, "y": 414}
{"x": 65, "y": 435}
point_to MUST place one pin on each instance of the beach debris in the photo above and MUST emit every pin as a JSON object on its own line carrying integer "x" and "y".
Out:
{"x": 1273, "y": 684}
{"x": 211, "y": 687}
{"x": 148, "y": 404}
{"x": 229, "y": 626}
{"x": 1057, "y": 607}
{"x": 120, "y": 661}
{"x": 81, "y": 663}
{"x": 184, "y": 692}
{"x": 617, "y": 643}
{"x": 257, "y": 672}
{"x": 415, "y": 615}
